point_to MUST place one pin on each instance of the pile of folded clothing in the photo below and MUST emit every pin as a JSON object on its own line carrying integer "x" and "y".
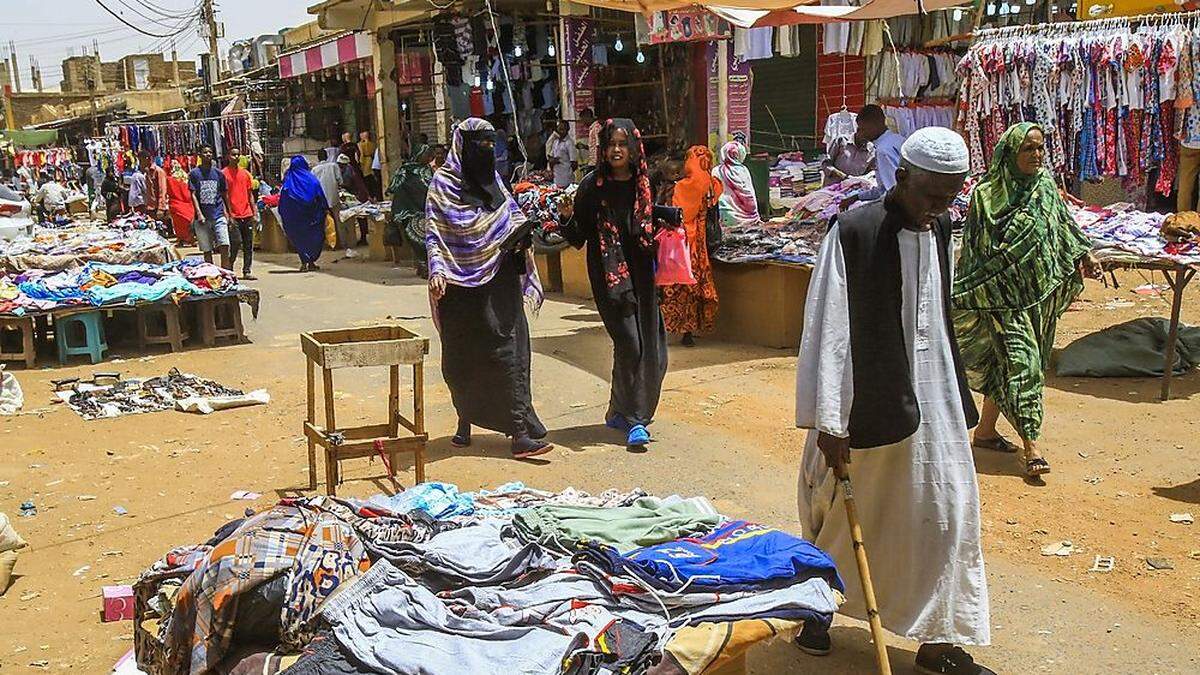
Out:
{"x": 98, "y": 284}
{"x": 511, "y": 580}
{"x": 57, "y": 249}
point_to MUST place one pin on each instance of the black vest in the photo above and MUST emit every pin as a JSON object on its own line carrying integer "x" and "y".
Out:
{"x": 885, "y": 409}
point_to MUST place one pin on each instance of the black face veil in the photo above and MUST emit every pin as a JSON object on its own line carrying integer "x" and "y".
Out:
{"x": 480, "y": 185}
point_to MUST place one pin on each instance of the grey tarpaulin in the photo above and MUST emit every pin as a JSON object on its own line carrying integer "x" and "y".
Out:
{"x": 1132, "y": 349}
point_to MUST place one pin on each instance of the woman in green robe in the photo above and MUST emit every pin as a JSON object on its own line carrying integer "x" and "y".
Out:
{"x": 409, "y": 186}
{"x": 1022, "y": 264}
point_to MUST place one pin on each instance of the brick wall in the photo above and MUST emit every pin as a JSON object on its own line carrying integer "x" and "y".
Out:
{"x": 830, "y": 68}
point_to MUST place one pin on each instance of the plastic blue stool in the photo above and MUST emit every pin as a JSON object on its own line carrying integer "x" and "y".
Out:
{"x": 93, "y": 345}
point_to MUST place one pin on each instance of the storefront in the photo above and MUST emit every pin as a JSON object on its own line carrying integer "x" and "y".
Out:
{"x": 331, "y": 90}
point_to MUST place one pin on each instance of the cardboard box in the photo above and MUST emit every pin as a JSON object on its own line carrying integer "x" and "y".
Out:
{"x": 272, "y": 239}
{"x": 118, "y": 603}
{"x": 549, "y": 267}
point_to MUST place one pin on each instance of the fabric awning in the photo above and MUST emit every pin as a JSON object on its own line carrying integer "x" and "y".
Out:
{"x": 333, "y": 52}
{"x": 747, "y": 13}
{"x": 29, "y": 138}
{"x": 798, "y": 14}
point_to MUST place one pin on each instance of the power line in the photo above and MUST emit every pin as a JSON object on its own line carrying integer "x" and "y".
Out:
{"x": 122, "y": 19}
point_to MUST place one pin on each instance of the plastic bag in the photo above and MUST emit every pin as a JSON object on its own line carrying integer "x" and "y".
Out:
{"x": 330, "y": 233}
{"x": 674, "y": 259}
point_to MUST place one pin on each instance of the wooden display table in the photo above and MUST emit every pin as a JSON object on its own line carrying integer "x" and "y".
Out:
{"x": 761, "y": 303}
{"x": 549, "y": 267}
{"x": 573, "y": 269}
{"x": 388, "y": 345}
{"x": 272, "y": 239}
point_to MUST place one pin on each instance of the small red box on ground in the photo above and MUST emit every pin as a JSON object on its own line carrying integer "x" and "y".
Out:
{"x": 118, "y": 603}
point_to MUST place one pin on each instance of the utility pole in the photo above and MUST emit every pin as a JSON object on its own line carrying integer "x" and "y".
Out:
{"x": 174, "y": 65}
{"x": 16, "y": 68}
{"x": 210, "y": 17}
{"x": 95, "y": 75}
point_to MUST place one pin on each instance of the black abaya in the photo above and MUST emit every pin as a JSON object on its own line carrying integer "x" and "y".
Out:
{"x": 486, "y": 353}
{"x": 636, "y": 328}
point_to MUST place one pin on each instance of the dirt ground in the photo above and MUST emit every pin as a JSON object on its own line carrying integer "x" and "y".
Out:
{"x": 1123, "y": 463}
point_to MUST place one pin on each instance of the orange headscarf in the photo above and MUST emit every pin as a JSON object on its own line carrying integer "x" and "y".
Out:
{"x": 697, "y": 190}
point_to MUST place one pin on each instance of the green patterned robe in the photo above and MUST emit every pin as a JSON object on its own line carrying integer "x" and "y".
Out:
{"x": 1017, "y": 274}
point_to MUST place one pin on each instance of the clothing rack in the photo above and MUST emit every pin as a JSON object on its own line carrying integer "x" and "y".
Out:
{"x": 1068, "y": 27}
{"x": 188, "y": 120}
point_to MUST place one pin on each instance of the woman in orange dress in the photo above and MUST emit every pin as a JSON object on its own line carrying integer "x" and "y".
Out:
{"x": 693, "y": 309}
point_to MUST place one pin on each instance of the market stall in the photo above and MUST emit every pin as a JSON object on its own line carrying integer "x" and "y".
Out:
{"x": 57, "y": 249}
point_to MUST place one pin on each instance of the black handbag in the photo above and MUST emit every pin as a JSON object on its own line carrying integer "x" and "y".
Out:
{"x": 712, "y": 229}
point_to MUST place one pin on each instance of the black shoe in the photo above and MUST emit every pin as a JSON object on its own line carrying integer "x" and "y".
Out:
{"x": 953, "y": 661}
{"x": 462, "y": 437}
{"x": 688, "y": 340}
{"x": 525, "y": 447}
{"x": 814, "y": 640}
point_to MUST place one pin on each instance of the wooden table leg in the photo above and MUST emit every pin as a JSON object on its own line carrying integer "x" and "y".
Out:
{"x": 393, "y": 413}
{"x": 331, "y": 461}
{"x": 1177, "y": 283}
{"x": 311, "y": 378}
{"x": 419, "y": 419}
{"x": 27, "y": 343}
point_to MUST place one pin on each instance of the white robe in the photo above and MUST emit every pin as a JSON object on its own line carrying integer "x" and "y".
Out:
{"x": 918, "y": 500}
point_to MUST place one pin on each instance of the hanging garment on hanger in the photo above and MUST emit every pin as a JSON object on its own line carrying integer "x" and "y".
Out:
{"x": 836, "y": 39}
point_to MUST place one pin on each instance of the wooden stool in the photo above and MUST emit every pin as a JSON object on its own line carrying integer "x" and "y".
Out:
{"x": 387, "y": 345}
{"x": 28, "y": 352}
{"x": 172, "y": 332}
{"x": 218, "y": 319}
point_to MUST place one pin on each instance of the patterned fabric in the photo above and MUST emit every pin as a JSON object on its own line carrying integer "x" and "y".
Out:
{"x": 616, "y": 271}
{"x": 1016, "y": 276}
{"x": 1006, "y": 353}
{"x": 738, "y": 198}
{"x": 465, "y": 239}
{"x": 1019, "y": 241}
{"x": 316, "y": 542}
{"x": 693, "y": 308}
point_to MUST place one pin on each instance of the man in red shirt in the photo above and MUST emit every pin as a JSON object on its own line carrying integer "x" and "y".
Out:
{"x": 243, "y": 216}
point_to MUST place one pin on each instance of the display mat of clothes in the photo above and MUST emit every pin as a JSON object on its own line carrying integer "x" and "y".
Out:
{"x": 1114, "y": 95}
{"x": 494, "y": 582}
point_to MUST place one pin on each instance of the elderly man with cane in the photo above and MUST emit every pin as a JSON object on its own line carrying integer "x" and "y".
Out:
{"x": 880, "y": 386}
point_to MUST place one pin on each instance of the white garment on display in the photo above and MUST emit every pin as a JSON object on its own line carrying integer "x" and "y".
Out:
{"x": 917, "y": 500}
{"x": 839, "y": 125}
{"x": 837, "y": 35}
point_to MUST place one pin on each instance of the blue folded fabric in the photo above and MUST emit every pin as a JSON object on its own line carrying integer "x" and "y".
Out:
{"x": 739, "y": 555}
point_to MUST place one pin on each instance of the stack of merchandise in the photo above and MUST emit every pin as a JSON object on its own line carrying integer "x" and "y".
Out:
{"x": 175, "y": 390}
{"x": 791, "y": 178}
{"x": 56, "y": 249}
{"x": 98, "y": 284}
{"x": 512, "y": 580}
{"x": 1121, "y": 233}
{"x": 781, "y": 240}
{"x": 134, "y": 221}
{"x": 539, "y": 202}
{"x": 372, "y": 210}
{"x": 824, "y": 203}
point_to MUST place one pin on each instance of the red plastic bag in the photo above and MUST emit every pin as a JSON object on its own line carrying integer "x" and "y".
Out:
{"x": 674, "y": 259}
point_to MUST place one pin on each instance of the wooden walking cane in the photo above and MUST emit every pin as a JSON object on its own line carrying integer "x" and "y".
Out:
{"x": 864, "y": 573}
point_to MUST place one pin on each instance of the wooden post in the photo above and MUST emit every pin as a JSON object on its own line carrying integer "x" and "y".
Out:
{"x": 419, "y": 419}
{"x": 331, "y": 460}
{"x": 310, "y": 372}
{"x": 393, "y": 414}
{"x": 1177, "y": 284}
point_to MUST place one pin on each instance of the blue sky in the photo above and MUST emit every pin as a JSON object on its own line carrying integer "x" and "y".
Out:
{"x": 50, "y": 29}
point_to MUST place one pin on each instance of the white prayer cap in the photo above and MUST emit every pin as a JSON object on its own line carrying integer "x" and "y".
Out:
{"x": 937, "y": 149}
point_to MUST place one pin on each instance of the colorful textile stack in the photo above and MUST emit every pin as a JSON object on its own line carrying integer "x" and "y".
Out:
{"x": 825, "y": 203}
{"x": 58, "y": 249}
{"x": 134, "y": 221}
{"x": 99, "y": 284}
{"x": 481, "y": 591}
{"x": 539, "y": 201}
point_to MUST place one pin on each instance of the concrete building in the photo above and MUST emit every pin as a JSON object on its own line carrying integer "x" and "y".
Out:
{"x": 130, "y": 73}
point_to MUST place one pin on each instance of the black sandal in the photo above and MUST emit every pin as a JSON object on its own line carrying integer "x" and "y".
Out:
{"x": 997, "y": 444}
{"x": 528, "y": 447}
{"x": 952, "y": 661}
{"x": 1038, "y": 466}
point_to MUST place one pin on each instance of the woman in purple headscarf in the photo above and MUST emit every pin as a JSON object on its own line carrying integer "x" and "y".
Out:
{"x": 480, "y": 268}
